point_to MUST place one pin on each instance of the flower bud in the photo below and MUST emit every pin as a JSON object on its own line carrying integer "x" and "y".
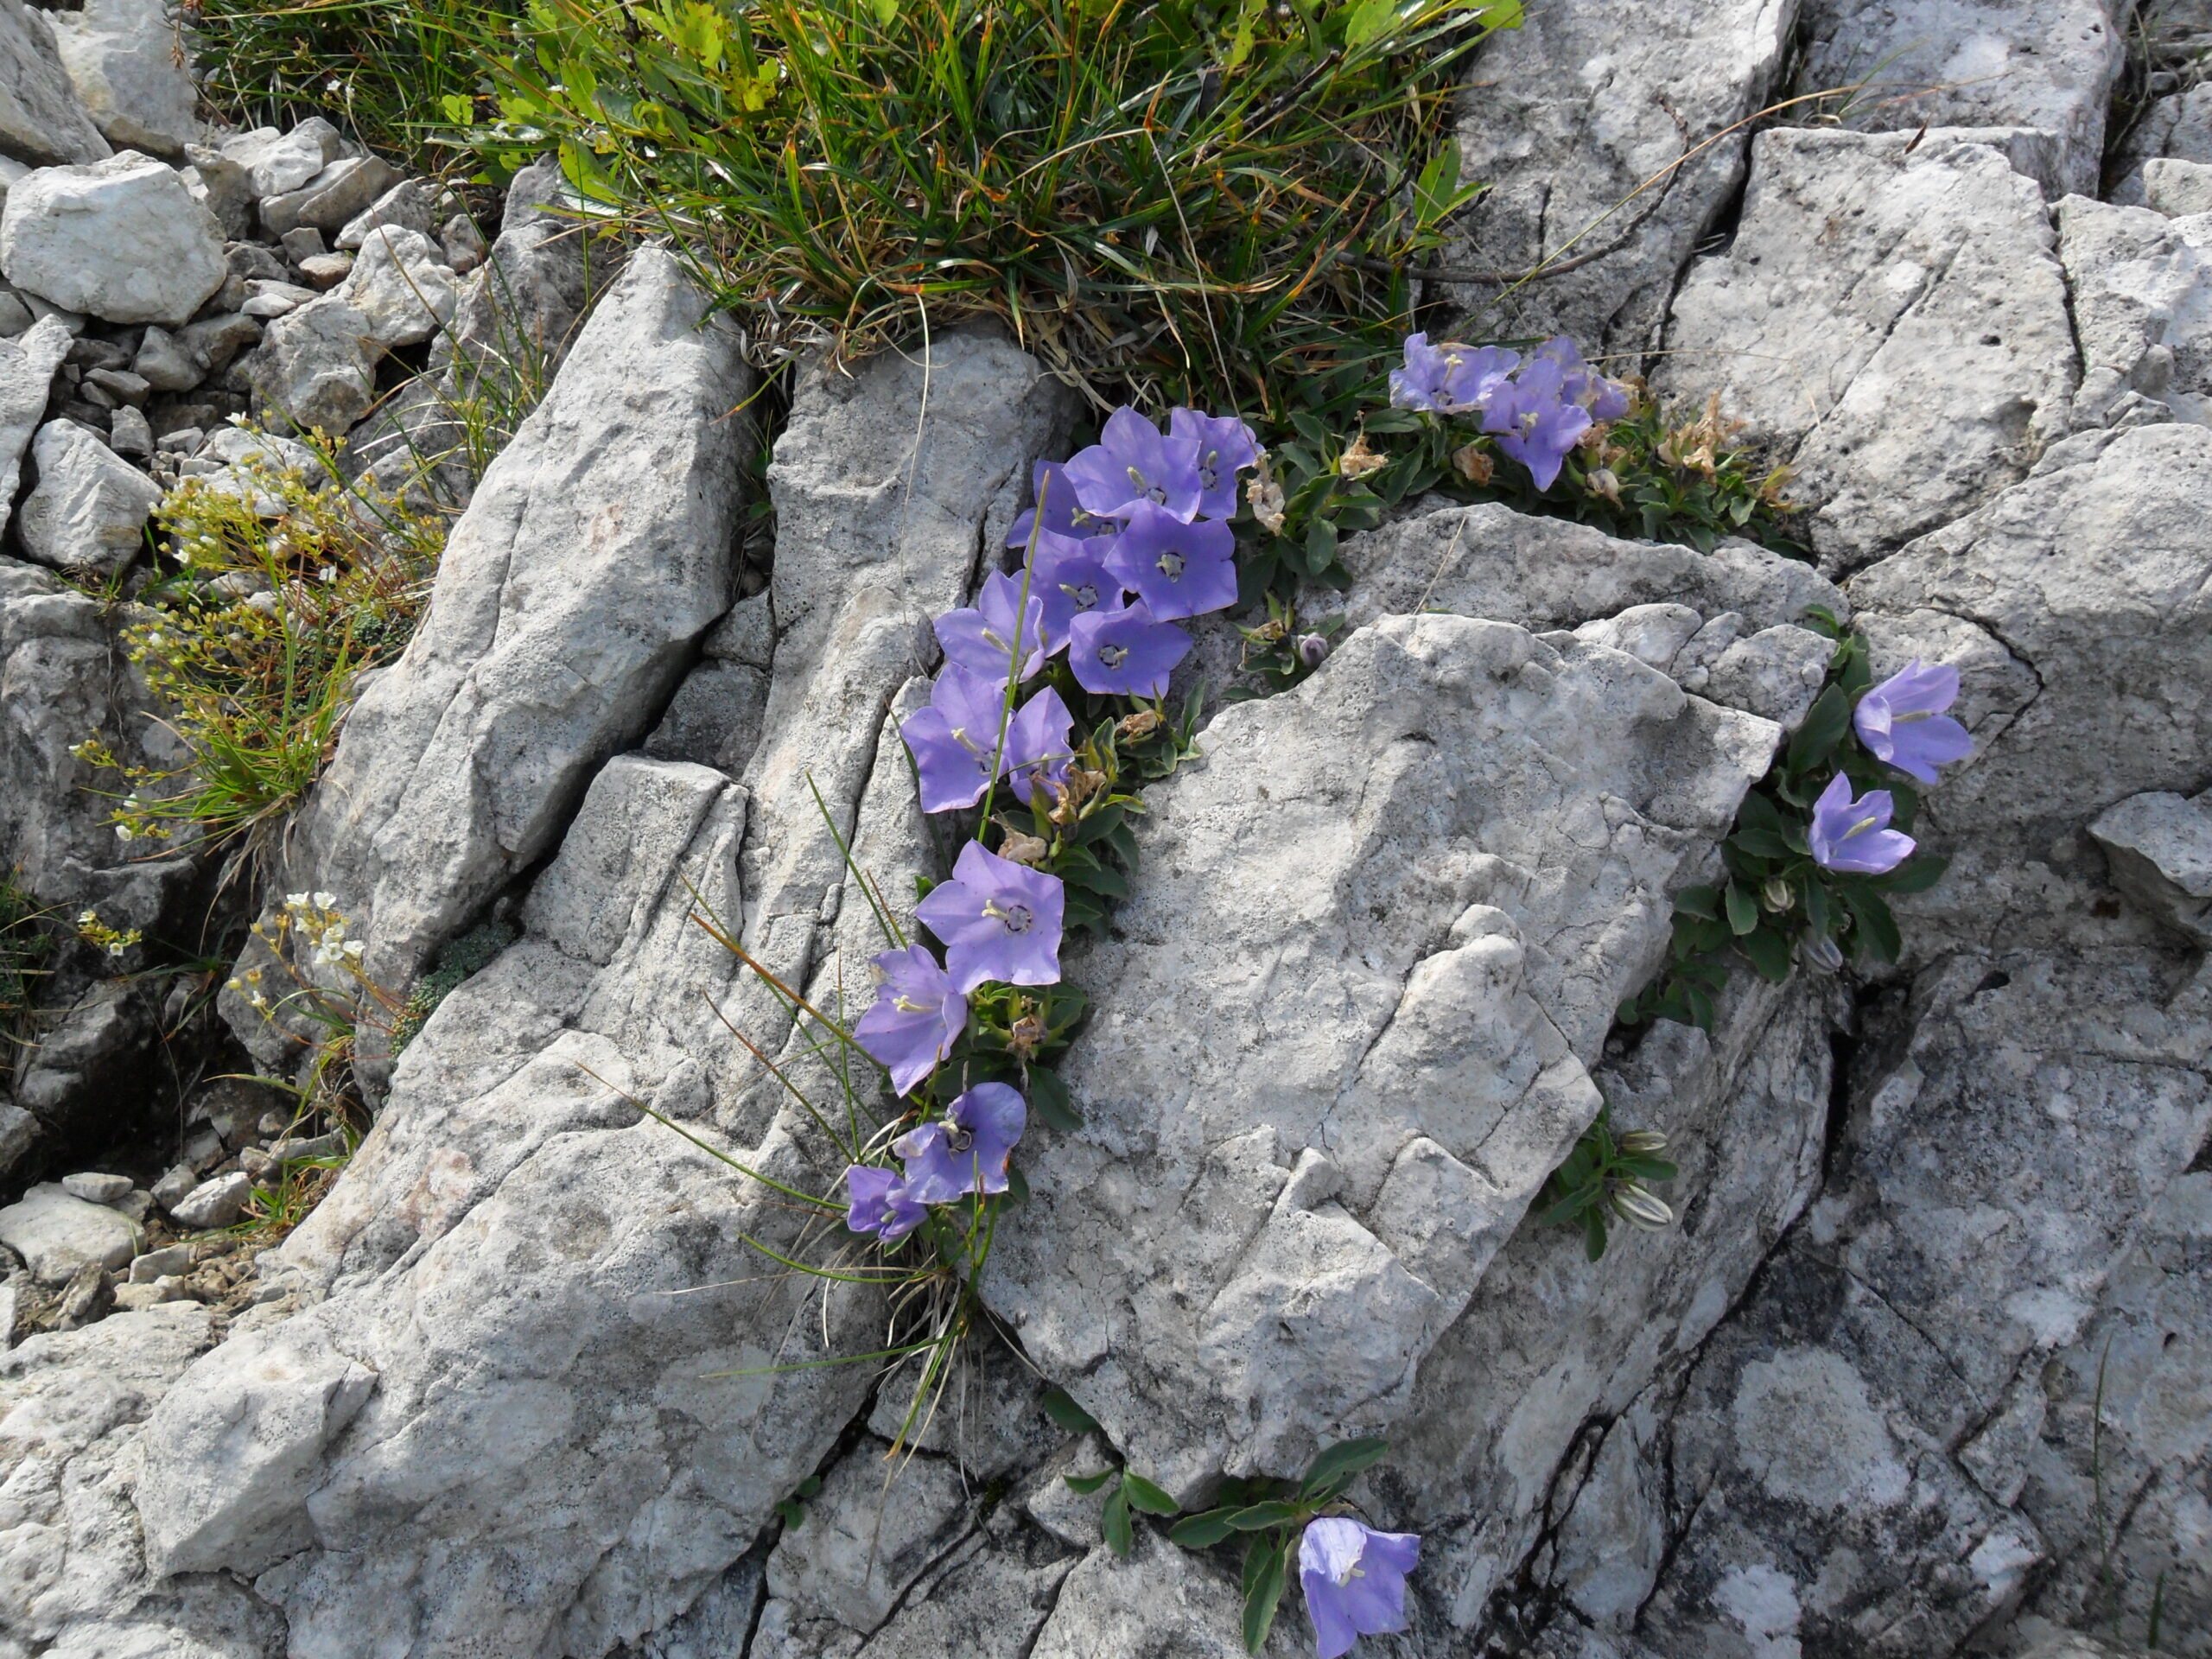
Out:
{"x": 1311, "y": 649}
{"x": 1778, "y": 894}
{"x": 1603, "y": 482}
{"x": 1644, "y": 1141}
{"x": 1820, "y": 953}
{"x": 1636, "y": 1205}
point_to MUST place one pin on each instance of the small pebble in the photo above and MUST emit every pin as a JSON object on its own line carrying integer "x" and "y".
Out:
{"x": 96, "y": 1188}
{"x": 136, "y": 1203}
{"x": 185, "y": 441}
{"x": 156, "y": 1264}
{"x": 203, "y": 1149}
{"x": 217, "y": 1204}
{"x": 86, "y": 1298}
{"x": 121, "y": 384}
{"x": 270, "y": 306}
{"x": 130, "y": 435}
{"x": 321, "y": 1145}
{"x": 326, "y": 270}
{"x": 173, "y": 1187}
{"x": 303, "y": 245}
{"x": 255, "y": 1163}
{"x": 275, "y": 1122}
{"x": 136, "y": 1299}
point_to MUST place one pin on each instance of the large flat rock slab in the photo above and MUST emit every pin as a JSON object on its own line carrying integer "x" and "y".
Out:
{"x": 1341, "y": 1027}
{"x": 1606, "y": 127}
{"x": 1892, "y": 319}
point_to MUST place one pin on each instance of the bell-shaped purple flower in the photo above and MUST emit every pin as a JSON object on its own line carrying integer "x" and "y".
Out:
{"x": 999, "y": 920}
{"x": 1038, "y": 745}
{"x": 1053, "y": 493}
{"x": 917, "y": 1016}
{"x": 879, "y": 1203}
{"x": 1177, "y": 570}
{"x": 1854, "y": 837}
{"x": 1535, "y": 422}
{"x": 967, "y": 1152}
{"x": 1606, "y": 400}
{"x": 1450, "y": 378}
{"x": 1125, "y": 652}
{"x": 1226, "y": 447}
{"x": 955, "y": 740}
{"x": 987, "y": 637}
{"x": 1069, "y": 577}
{"x": 1901, "y": 720}
{"x": 1131, "y": 463}
{"x": 1355, "y": 1580}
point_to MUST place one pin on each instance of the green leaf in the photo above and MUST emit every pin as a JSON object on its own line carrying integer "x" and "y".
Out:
{"x": 1145, "y": 1495}
{"x": 1098, "y": 878}
{"x": 1914, "y": 874}
{"x": 1824, "y": 724}
{"x": 1089, "y": 1483}
{"x": 1340, "y": 1463}
{"x": 1743, "y": 909}
{"x": 1768, "y": 952}
{"x": 1200, "y": 1531}
{"x": 1872, "y": 915}
{"x": 1114, "y": 1523}
{"x": 1700, "y": 901}
{"x": 1817, "y": 905}
{"x": 1273, "y": 1513}
{"x": 1049, "y": 1095}
{"x": 1099, "y": 825}
{"x": 1763, "y": 843}
{"x": 1320, "y": 546}
{"x": 1265, "y": 1560}
{"x": 1061, "y": 1407}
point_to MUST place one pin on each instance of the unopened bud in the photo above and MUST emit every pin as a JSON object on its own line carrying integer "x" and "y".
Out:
{"x": 1311, "y": 649}
{"x": 1820, "y": 953}
{"x": 1644, "y": 1141}
{"x": 1778, "y": 894}
{"x": 1639, "y": 1207}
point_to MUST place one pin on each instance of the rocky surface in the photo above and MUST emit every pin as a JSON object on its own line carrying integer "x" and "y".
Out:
{"x": 1919, "y": 1369}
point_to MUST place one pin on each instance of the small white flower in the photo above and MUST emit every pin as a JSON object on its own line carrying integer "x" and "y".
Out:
{"x": 353, "y": 948}
{"x": 234, "y": 985}
{"x": 332, "y": 87}
{"x": 88, "y": 917}
{"x": 155, "y": 639}
{"x": 328, "y": 575}
{"x": 115, "y": 947}
{"x": 329, "y": 955}
{"x": 326, "y": 901}
{"x": 124, "y": 832}
{"x": 296, "y": 901}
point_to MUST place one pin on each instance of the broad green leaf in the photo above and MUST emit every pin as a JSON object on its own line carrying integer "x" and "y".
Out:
{"x": 1270, "y": 1514}
{"x": 1061, "y": 1407}
{"x": 1145, "y": 1495}
{"x": 1701, "y": 901}
{"x": 1089, "y": 1483}
{"x": 1743, "y": 909}
{"x": 1824, "y": 724}
{"x": 1341, "y": 1462}
{"x": 1200, "y": 1531}
{"x": 1049, "y": 1095}
{"x": 1768, "y": 952}
{"x": 1114, "y": 1523}
{"x": 1914, "y": 874}
{"x": 1262, "y": 1588}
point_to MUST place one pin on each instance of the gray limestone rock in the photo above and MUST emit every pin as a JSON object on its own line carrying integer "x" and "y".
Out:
{"x": 132, "y": 65}
{"x": 2045, "y": 64}
{"x": 2142, "y": 310}
{"x": 87, "y": 513}
{"x": 1311, "y": 1122}
{"x": 2178, "y": 126}
{"x": 1890, "y": 319}
{"x": 410, "y": 205}
{"x": 878, "y": 1521}
{"x": 316, "y": 365}
{"x": 342, "y": 191}
{"x": 27, "y": 367}
{"x": 56, "y": 1233}
{"x": 96, "y": 1188}
{"x": 1162, "y": 1600}
{"x": 76, "y": 1405}
{"x": 598, "y": 550}
{"x": 399, "y": 283}
{"x": 121, "y": 240}
{"x": 1590, "y": 105}
{"x": 714, "y": 718}
{"x": 96, "y": 1050}
{"x": 277, "y": 163}
{"x": 223, "y": 187}
{"x": 2160, "y": 846}
{"x": 42, "y": 119}
{"x": 214, "y": 1204}
{"x": 2178, "y": 188}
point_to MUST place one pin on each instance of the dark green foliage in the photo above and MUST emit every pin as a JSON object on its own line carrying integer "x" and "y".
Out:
{"x": 25, "y": 942}
{"x": 465, "y": 956}
{"x": 1602, "y": 1181}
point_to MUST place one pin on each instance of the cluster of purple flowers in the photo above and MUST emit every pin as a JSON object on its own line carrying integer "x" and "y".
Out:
{"x": 1903, "y": 723}
{"x": 1536, "y": 407}
{"x": 1125, "y": 539}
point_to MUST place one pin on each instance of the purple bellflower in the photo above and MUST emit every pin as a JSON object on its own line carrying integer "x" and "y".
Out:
{"x": 1178, "y": 569}
{"x": 1132, "y": 463}
{"x": 1125, "y": 651}
{"x": 1534, "y": 421}
{"x": 1606, "y": 400}
{"x": 1355, "y": 1580}
{"x": 1449, "y": 379}
{"x": 999, "y": 920}
{"x": 1226, "y": 447}
{"x": 982, "y": 637}
{"x": 1901, "y": 720}
{"x": 1069, "y": 578}
{"x": 967, "y": 1152}
{"x": 1854, "y": 837}
{"x": 955, "y": 740}
{"x": 917, "y": 1017}
{"x": 1038, "y": 745}
{"x": 1062, "y": 515}
{"x": 880, "y": 1204}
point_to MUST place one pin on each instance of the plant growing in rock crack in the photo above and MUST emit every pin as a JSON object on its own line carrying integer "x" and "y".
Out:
{"x": 26, "y": 941}
{"x": 276, "y": 592}
{"x": 1822, "y": 842}
{"x": 1542, "y": 432}
{"x": 308, "y": 941}
{"x": 1603, "y": 1181}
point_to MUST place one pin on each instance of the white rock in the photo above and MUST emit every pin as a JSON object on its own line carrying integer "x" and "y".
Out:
{"x": 1353, "y": 1090}
{"x": 1579, "y": 108}
{"x": 2178, "y": 126}
{"x": 129, "y": 433}
{"x": 2160, "y": 846}
{"x": 1162, "y": 1600}
{"x": 214, "y": 1204}
{"x": 342, "y": 190}
{"x": 89, "y": 508}
{"x": 400, "y": 286}
{"x": 169, "y": 1260}
{"x": 2049, "y": 65}
{"x": 2141, "y": 287}
{"x": 56, "y": 1233}
{"x": 2175, "y": 188}
{"x": 249, "y": 464}
{"x": 222, "y": 186}
{"x": 410, "y": 205}
{"x": 180, "y": 1180}
{"x": 864, "y": 1541}
{"x": 316, "y": 363}
{"x": 41, "y": 118}
{"x": 95, "y": 1188}
{"x": 122, "y": 239}
{"x": 278, "y": 163}
{"x": 1892, "y": 318}
{"x": 26, "y": 368}
{"x": 132, "y": 67}
{"x": 463, "y": 243}
{"x": 18, "y": 1134}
